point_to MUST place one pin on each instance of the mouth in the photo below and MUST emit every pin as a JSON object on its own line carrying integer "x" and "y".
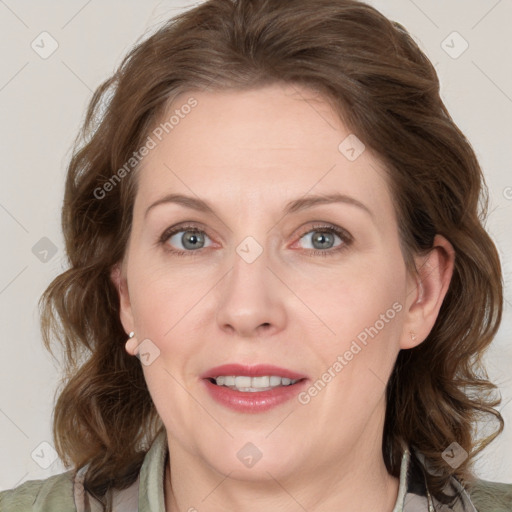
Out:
{"x": 252, "y": 388}
{"x": 247, "y": 384}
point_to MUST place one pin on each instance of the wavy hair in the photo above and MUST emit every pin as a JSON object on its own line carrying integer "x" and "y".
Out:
{"x": 387, "y": 92}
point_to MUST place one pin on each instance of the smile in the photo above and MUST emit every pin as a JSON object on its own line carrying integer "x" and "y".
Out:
{"x": 246, "y": 384}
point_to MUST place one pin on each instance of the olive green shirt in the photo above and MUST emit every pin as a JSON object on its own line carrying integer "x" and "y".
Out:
{"x": 60, "y": 493}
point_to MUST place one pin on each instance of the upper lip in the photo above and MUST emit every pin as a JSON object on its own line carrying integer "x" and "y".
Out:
{"x": 251, "y": 371}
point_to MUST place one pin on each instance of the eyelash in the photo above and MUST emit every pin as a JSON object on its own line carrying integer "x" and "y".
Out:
{"x": 342, "y": 234}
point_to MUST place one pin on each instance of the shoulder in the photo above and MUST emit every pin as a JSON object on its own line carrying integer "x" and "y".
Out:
{"x": 490, "y": 496}
{"x": 53, "y": 493}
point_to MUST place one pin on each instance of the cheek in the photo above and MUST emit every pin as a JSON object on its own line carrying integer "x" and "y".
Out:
{"x": 161, "y": 293}
{"x": 365, "y": 312}
{"x": 362, "y": 308}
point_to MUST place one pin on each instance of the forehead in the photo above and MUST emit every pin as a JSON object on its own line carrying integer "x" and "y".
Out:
{"x": 269, "y": 144}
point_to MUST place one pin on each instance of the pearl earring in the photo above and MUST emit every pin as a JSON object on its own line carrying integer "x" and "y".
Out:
{"x": 129, "y": 342}
{"x": 413, "y": 335}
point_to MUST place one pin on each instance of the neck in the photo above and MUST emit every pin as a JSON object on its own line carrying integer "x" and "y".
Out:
{"x": 362, "y": 486}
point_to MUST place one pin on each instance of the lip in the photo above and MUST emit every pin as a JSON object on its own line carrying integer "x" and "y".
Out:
{"x": 251, "y": 371}
{"x": 259, "y": 401}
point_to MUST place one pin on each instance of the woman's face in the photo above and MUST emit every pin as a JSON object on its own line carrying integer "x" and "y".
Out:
{"x": 317, "y": 288}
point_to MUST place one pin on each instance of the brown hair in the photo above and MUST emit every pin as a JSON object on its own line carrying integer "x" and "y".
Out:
{"x": 387, "y": 92}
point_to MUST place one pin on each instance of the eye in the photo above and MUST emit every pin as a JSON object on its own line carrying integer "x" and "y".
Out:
{"x": 191, "y": 238}
{"x": 321, "y": 240}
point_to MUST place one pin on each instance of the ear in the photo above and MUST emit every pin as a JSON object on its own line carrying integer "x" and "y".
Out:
{"x": 118, "y": 277}
{"x": 426, "y": 291}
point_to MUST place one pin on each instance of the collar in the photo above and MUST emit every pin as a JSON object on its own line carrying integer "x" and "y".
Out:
{"x": 152, "y": 474}
{"x": 146, "y": 494}
{"x": 413, "y": 493}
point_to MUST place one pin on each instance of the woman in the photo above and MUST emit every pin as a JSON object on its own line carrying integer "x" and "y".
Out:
{"x": 278, "y": 276}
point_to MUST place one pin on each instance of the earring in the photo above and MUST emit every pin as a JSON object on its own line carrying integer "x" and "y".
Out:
{"x": 129, "y": 342}
{"x": 413, "y": 335}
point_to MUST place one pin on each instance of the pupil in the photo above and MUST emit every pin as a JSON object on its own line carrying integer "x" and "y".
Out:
{"x": 191, "y": 241}
{"x": 321, "y": 238}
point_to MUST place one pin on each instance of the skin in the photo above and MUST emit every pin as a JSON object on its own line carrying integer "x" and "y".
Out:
{"x": 248, "y": 154}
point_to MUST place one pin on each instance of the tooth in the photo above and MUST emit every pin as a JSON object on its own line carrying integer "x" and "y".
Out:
{"x": 253, "y": 384}
{"x": 275, "y": 380}
{"x": 243, "y": 381}
{"x": 260, "y": 382}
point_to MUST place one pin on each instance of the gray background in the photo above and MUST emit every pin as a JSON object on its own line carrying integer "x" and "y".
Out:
{"x": 42, "y": 103}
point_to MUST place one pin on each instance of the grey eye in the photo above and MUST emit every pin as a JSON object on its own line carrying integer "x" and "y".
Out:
{"x": 320, "y": 239}
{"x": 190, "y": 239}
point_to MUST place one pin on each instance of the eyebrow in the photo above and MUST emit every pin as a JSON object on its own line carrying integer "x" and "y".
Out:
{"x": 293, "y": 206}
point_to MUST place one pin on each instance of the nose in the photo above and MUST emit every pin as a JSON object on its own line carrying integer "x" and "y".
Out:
{"x": 251, "y": 298}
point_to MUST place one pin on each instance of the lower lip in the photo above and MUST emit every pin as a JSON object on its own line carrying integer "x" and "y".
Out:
{"x": 253, "y": 402}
